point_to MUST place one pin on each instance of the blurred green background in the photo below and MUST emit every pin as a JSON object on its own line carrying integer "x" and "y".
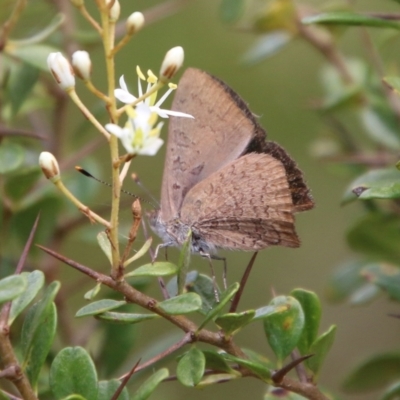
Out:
{"x": 280, "y": 90}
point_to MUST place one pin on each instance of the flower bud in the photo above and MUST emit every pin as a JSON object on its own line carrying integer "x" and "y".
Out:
{"x": 61, "y": 70}
{"x": 82, "y": 65}
{"x": 114, "y": 10}
{"x": 173, "y": 60}
{"x": 134, "y": 23}
{"x": 49, "y": 166}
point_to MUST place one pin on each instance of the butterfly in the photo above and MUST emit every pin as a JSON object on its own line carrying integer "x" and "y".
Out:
{"x": 223, "y": 180}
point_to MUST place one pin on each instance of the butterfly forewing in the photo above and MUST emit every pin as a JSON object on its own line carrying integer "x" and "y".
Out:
{"x": 219, "y": 133}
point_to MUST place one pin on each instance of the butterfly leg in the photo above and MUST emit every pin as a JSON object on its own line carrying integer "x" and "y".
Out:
{"x": 209, "y": 257}
{"x": 225, "y": 272}
{"x": 160, "y": 246}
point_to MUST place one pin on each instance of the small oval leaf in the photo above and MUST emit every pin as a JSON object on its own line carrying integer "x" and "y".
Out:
{"x": 156, "y": 269}
{"x": 35, "y": 281}
{"x": 99, "y": 307}
{"x": 148, "y": 387}
{"x": 183, "y": 304}
{"x": 73, "y": 372}
{"x": 311, "y": 306}
{"x": 11, "y": 287}
{"x": 319, "y": 349}
{"x": 11, "y": 157}
{"x": 225, "y": 298}
{"x": 350, "y": 19}
{"x": 126, "y": 318}
{"x": 233, "y": 322}
{"x": 191, "y": 367}
{"x": 107, "y": 389}
{"x": 283, "y": 328}
{"x": 374, "y": 373}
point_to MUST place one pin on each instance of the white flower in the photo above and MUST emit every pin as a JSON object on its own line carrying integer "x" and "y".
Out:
{"x": 173, "y": 60}
{"x": 81, "y": 64}
{"x": 49, "y": 166}
{"x": 61, "y": 70}
{"x": 134, "y": 22}
{"x": 123, "y": 95}
{"x": 138, "y": 136}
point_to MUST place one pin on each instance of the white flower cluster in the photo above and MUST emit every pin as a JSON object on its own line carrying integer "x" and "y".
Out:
{"x": 141, "y": 133}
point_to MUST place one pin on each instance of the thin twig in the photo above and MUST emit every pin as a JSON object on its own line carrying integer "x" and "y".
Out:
{"x": 188, "y": 338}
{"x": 132, "y": 295}
{"x": 124, "y": 382}
{"x": 243, "y": 281}
{"x": 5, "y": 313}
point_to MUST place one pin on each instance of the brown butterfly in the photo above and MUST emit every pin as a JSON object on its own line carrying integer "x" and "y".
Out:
{"x": 222, "y": 179}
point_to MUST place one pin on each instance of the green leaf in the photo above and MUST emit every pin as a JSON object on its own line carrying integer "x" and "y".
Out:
{"x": 386, "y": 276}
{"x": 92, "y": 293}
{"x": 19, "y": 182}
{"x": 191, "y": 367}
{"x": 141, "y": 252}
{"x": 381, "y": 125}
{"x": 183, "y": 304}
{"x": 311, "y": 306}
{"x": 233, "y": 322}
{"x": 157, "y": 269}
{"x": 320, "y": 349}
{"x": 21, "y": 82}
{"x": 224, "y": 299}
{"x": 260, "y": 369}
{"x": 106, "y": 390}
{"x": 216, "y": 378}
{"x": 231, "y": 10}
{"x": 126, "y": 318}
{"x": 42, "y": 35}
{"x": 105, "y": 245}
{"x": 349, "y": 18}
{"x": 204, "y": 287}
{"x": 172, "y": 285}
{"x": 11, "y": 287}
{"x": 11, "y": 157}
{"x": 364, "y": 294}
{"x": 216, "y": 362}
{"x": 392, "y": 393}
{"x": 342, "y": 95}
{"x": 345, "y": 280}
{"x": 263, "y": 312}
{"x": 41, "y": 343}
{"x": 374, "y": 373}
{"x": 148, "y": 387}
{"x": 41, "y": 314}
{"x": 283, "y": 328}
{"x": 378, "y": 183}
{"x": 35, "y": 55}
{"x": 377, "y": 235}
{"x": 99, "y": 307}
{"x": 35, "y": 281}
{"x": 266, "y": 46}
{"x": 73, "y": 372}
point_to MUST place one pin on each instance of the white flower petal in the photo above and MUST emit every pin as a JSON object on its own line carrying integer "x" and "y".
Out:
{"x": 165, "y": 113}
{"x": 124, "y": 96}
{"x": 122, "y": 84}
{"x": 152, "y": 146}
{"x": 115, "y": 130}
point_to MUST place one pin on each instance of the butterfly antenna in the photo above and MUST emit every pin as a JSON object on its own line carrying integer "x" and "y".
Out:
{"x": 89, "y": 175}
{"x": 136, "y": 179}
